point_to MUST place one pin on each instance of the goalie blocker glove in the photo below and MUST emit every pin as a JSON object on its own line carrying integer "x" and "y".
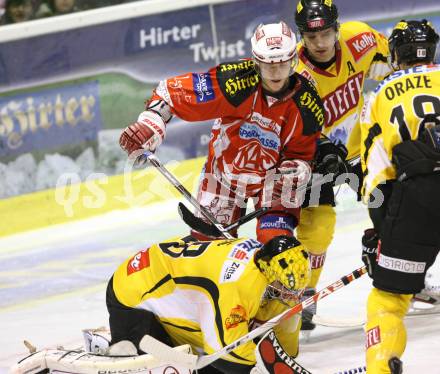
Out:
{"x": 272, "y": 358}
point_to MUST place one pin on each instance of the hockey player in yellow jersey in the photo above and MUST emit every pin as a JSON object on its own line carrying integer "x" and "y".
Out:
{"x": 208, "y": 294}
{"x": 337, "y": 58}
{"x": 401, "y": 163}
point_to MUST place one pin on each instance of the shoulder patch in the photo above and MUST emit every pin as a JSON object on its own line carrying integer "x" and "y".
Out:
{"x": 237, "y": 80}
{"x": 310, "y": 106}
{"x": 361, "y": 44}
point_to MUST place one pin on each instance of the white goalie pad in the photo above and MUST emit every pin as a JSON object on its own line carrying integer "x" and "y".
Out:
{"x": 98, "y": 358}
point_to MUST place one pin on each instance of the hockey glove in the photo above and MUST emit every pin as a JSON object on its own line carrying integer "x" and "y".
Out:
{"x": 331, "y": 158}
{"x": 370, "y": 250}
{"x": 272, "y": 358}
{"x": 292, "y": 174}
{"x": 146, "y": 133}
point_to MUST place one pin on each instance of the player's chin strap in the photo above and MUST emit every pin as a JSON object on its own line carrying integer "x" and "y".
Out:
{"x": 164, "y": 352}
{"x": 153, "y": 160}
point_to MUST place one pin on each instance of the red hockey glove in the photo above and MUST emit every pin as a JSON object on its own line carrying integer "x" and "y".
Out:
{"x": 293, "y": 174}
{"x": 147, "y": 133}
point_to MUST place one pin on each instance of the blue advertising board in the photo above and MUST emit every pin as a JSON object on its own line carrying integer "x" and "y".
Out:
{"x": 47, "y": 119}
{"x": 145, "y": 48}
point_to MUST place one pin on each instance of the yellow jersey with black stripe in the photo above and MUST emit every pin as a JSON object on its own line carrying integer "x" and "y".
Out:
{"x": 361, "y": 53}
{"x": 204, "y": 293}
{"x": 396, "y": 112}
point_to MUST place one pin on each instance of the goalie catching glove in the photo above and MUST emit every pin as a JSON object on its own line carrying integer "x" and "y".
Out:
{"x": 272, "y": 358}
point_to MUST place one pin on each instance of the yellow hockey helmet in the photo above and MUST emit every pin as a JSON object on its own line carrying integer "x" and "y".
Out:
{"x": 284, "y": 259}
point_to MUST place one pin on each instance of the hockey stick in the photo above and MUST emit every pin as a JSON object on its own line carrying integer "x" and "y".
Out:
{"x": 162, "y": 351}
{"x": 153, "y": 160}
{"x": 198, "y": 224}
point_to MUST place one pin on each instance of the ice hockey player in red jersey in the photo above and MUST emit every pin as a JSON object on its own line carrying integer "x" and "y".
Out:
{"x": 268, "y": 120}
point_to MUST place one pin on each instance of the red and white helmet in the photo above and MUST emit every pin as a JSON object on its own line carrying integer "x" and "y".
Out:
{"x": 273, "y": 43}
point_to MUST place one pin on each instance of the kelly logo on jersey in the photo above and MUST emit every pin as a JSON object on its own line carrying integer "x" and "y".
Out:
{"x": 343, "y": 99}
{"x": 139, "y": 261}
{"x": 360, "y": 44}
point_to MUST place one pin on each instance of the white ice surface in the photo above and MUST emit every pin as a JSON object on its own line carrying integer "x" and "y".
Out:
{"x": 52, "y": 285}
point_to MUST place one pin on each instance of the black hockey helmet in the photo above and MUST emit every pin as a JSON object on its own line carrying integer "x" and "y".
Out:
{"x": 412, "y": 42}
{"x": 316, "y": 15}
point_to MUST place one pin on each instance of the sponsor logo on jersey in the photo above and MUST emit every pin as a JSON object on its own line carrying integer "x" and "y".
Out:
{"x": 372, "y": 337}
{"x": 236, "y": 316}
{"x": 307, "y": 100}
{"x": 139, "y": 261}
{"x": 237, "y": 84}
{"x": 316, "y": 261}
{"x": 202, "y": 85}
{"x": 237, "y": 80}
{"x": 266, "y": 138}
{"x": 162, "y": 91}
{"x": 266, "y": 123}
{"x": 404, "y": 266}
{"x": 343, "y": 99}
{"x": 276, "y": 222}
{"x": 244, "y": 251}
{"x": 231, "y": 271}
{"x": 360, "y": 44}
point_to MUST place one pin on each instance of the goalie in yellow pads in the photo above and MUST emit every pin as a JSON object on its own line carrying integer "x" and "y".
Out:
{"x": 209, "y": 294}
{"x": 401, "y": 163}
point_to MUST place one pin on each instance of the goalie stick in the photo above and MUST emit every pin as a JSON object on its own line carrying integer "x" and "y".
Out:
{"x": 209, "y": 229}
{"x": 154, "y": 161}
{"x": 164, "y": 352}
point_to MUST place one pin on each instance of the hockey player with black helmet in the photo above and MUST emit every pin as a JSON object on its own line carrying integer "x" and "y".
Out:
{"x": 337, "y": 58}
{"x": 401, "y": 163}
